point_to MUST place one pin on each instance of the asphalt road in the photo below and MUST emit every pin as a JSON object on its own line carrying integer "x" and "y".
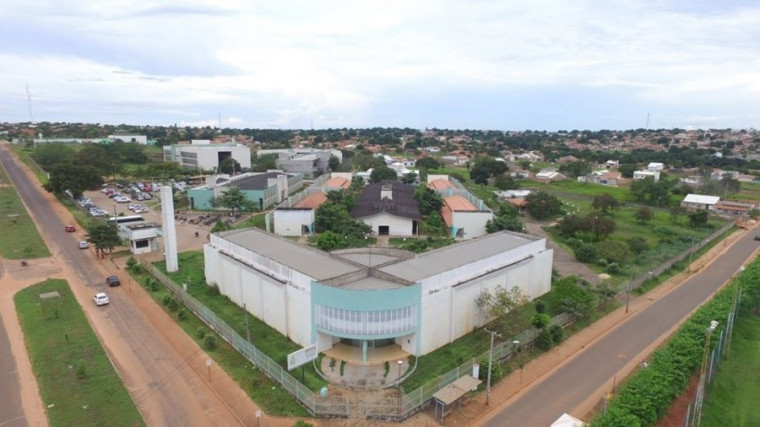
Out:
{"x": 166, "y": 390}
{"x": 11, "y": 412}
{"x": 570, "y": 385}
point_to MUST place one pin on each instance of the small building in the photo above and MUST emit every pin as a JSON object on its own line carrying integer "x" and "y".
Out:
{"x": 207, "y": 157}
{"x": 141, "y": 238}
{"x": 655, "y": 175}
{"x": 655, "y": 167}
{"x": 549, "y": 175}
{"x": 512, "y": 194}
{"x": 699, "y": 201}
{"x": 296, "y": 215}
{"x": 612, "y": 164}
{"x": 718, "y": 174}
{"x": 602, "y": 177}
{"x": 140, "y": 139}
{"x": 726, "y": 207}
{"x": 264, "y": 189}
{"x": 389, "y": 208}
{"x": 464, "y": 219}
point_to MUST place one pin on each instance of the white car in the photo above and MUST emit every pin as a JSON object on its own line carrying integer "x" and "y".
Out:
{"x": 83, "y": 244}
{"x": 101, "y": 298}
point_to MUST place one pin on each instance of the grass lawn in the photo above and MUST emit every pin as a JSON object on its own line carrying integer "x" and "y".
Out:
{"x": 72, "y": 369}
{"x": 24, "y": 154}
{"x": 731, "y": 399}
{"x": 20, "y": 237}
{"x": 265, "y": 392}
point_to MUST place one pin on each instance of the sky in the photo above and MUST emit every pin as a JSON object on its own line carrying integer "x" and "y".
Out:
{"x": 479, "y": 64}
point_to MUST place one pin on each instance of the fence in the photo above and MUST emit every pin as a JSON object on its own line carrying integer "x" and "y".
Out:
{"x": 374, "y": 405}
{"x": 710, "y": 364}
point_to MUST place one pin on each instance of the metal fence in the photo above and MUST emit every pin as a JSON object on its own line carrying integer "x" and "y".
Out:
{"x": 373, "y": 404}
{"x": 710, "y": 364}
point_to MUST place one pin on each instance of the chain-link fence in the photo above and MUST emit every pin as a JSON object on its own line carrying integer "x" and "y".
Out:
{"x": 710, "y": 364}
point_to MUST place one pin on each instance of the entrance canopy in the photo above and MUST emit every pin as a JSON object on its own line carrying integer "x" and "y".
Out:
{"x": 454, "y": 392}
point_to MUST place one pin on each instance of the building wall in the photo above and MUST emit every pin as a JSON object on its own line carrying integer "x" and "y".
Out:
{"x": 290, "y": 222}
{"x": 398, "y": 226}
{"x": 474, "y": 223}
{"x": 206, "y": 156}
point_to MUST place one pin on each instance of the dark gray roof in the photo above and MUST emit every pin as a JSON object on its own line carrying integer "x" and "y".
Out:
{"x": 256, "y": 182}
{"x": 401, "y": 203}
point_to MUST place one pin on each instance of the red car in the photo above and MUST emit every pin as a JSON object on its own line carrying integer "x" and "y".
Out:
{"x": 70, "y": 229}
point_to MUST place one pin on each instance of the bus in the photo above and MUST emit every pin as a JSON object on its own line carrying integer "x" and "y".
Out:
{"x": 126, "y": 219}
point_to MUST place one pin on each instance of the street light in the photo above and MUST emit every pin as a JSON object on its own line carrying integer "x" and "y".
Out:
{"x": 628, "y": 292}
{"x": 516, "y": 351}
{"x": 490, "y": 362}
{"x": 701, "y": 387}
{"x": 693, "y": 240}
{"x": 399, "y": 363}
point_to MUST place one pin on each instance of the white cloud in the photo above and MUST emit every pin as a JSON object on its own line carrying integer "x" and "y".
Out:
{"x": 288, "y": 63}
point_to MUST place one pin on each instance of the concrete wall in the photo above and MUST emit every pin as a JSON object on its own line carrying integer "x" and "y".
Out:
{"x": 290, "y": 222}
{"x": 398, "y": 226}
{"x": 473, "y": 223}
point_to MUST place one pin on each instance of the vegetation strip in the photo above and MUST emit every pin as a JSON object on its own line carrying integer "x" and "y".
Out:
{"x": 20, "y": 236}
{"x": 78, "y": 383}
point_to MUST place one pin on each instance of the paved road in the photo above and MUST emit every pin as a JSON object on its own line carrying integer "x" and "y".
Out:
{"x": 582, "y": 376}
{"x": 166, "y": 390}
{"x": 11, "y": 412}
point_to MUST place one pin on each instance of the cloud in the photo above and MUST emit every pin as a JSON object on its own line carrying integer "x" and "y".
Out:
{"x": 342, "y": 63}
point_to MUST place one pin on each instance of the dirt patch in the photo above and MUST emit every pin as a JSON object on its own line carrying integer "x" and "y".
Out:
{"x": 677, "y": 412}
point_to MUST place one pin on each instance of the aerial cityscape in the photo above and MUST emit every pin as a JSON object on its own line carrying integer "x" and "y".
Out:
{"x": 338, "y": 214}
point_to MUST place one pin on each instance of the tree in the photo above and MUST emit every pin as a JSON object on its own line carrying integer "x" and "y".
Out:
{"x": 627, "y": 169}
{"x": 74, "y": 177}
{"x": 698, "y": 218}
{"x": 49, "y": 155}
{"x": 505, "y": 219}
{"x": 605, "y": 202}
{"x": 333, "y": 163}
{"x": 480, "y": 174}
{"x": 577, "y": 168}
{"x": 542, "y": 205}
{"x": 220, "y": 226}
{"x": 605, "y": 293}
{"x": 504, "y": 182}
{"x": 507, "y": 307}
{"x": 637, "y": 244}
{"x": 409, "y": 178}
{"x": 229, "y": 166}
{"x": 614, "y": 250}
{"x": 97, "y": 156}
{"x": 383, "y": 173}
{"x": 235, "y": 200}
{"x": 265, "y": 162}
{"x": 644, "y": 214}
{"x": 428, "y": 163}
{"x": 103, "y": 235}
{"x": 434, "y": 225}
{"x": 428, "y": 200}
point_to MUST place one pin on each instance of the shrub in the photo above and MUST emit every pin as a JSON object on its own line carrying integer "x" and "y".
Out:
{"x": 332, "y": 364}
{"x": 614, "y": 250}
{"x": 342, "y": 367}
{"x": 637, "y": 245}
{"x": 166, "y": 300}
{"x": 496, "y": 372}
{"x": 200, "y": 332}
{"x": 587, "y": 253}
{"x": 209, "y": 342}
{"x": 539, "y": 321}
{"x": 540, "y": 307}
{"x": 173, "y": 304}
{"x": 212, "y": 290}
{"x": 181, "y": 314}
{"x": 387, "y": 368}
{"x": 557, "y": 333}
{"x": 132, "y": 264}
{"x": 602, "y": 262}
{"x": 544, "y": 340}
{"x": 613, "y": 268}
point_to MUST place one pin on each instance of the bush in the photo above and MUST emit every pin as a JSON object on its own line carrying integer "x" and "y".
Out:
{"x": 342, "y": 367}
{"x": 557, "y": 333}
{"x": 544, "y": 340}
{"x": 387, "y": 368}
{"x": 614, "y": 250}
{"x": 540, "y": 307}
{"x": 209, "y": 342}
{"x": 132, "y": 264}
{"x": 602, "y": 262}
{"x": 613, "y": 268}
{"x": 212, "y": 290}
{"x": 200, "y": 332}
{"x": 181, "y": 314}
{"x": 637, "y": 245}
{"x": 496, "y": 372}
{"x": 166, "y": 300}
{"x": 587, "y": 253}
{"x": 539, "y": 321}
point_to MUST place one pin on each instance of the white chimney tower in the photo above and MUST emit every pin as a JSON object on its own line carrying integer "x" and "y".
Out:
{"x": 170, "y": 232}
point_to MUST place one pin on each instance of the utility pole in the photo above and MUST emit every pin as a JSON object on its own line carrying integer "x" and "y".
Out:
{"x": 490, "y": 363}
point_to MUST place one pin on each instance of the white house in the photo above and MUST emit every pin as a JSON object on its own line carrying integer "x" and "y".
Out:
{"x": 699, "y": 201}
{"x": 389, "y": 208}
{"x": 207, "y": 156}
{"x": 655, "y": 167}
{"x": 655, "y": 175}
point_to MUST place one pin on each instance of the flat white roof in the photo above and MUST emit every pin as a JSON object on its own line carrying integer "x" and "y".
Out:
{"x": 701, "y": 199}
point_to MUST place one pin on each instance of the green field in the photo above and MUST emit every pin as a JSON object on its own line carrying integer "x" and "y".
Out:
{"x": 20, "y": 237}
{"x": 77, "y": 381}
{"x": 731, "y": 399}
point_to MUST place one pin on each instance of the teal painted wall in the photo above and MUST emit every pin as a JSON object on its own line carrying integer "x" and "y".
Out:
{"x": 201, "y": 199}
{"x": 349, "y": 299}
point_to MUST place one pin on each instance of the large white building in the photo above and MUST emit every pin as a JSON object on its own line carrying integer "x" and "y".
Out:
{"x": 207, "y": 156}
{"x": 373, "y": 297}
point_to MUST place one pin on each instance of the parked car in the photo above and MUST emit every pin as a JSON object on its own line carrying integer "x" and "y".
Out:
{"x": 757, "y": 237}
{"x": 70, "y": 229}
{"x": 84, "y": 244}
{"x": 101, "y": 298}
{"x": 113, "y": 281}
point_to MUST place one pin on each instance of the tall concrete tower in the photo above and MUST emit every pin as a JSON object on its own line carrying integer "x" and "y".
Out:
{"x": 170, "y": 232}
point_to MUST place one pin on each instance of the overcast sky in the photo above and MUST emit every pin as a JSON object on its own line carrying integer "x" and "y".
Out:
{"x": 503, "y": 64}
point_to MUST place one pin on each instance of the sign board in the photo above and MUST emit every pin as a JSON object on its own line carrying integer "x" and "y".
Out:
{"x": 302, "y": 356}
